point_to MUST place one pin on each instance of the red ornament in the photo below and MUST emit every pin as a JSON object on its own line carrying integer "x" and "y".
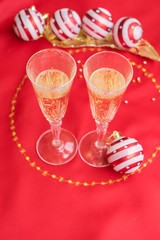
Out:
{"x": 65, "y": 24}
{"x": 127, "y": 32}
{"x": 125, "y": 155}
{"x": 97, "y": 23}
{"x": 29, "y": 24}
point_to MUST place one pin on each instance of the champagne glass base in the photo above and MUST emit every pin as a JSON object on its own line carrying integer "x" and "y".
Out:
{"x": 57, "y": 154}
{"x": 92, "y": 154}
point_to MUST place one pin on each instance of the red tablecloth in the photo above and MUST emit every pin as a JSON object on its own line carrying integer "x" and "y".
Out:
{"x": 76, "y": 201}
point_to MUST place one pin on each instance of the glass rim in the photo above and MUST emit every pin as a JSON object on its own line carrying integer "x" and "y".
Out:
{"x": 54, "y": 50}
{"x": 108, "y": 91}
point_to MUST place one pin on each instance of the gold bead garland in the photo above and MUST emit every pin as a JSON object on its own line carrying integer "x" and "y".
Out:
{"x": 33, "y": 164}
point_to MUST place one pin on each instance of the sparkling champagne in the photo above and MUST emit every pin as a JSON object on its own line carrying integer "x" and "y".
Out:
{"x": 104, "y": 101}
{"x": 52, "y": 103}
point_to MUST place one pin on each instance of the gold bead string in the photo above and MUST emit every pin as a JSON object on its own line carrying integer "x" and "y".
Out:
{"x": 61, "y": 179}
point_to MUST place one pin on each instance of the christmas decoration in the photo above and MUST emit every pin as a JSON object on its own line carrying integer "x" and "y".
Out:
{"x": 125, "y": 154}
{"x": 64, "y": 30}
{"x": 65, "y": 24}
{"x": 29, "y": 24}
{"x": 127, "y": 32}
{"x": 97, "y": 23}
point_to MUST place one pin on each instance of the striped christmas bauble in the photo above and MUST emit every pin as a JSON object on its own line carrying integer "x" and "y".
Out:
{"x": 125, "y": 155}
{"x": 127, "y": 32}
{"x": 29, "y": 24}
{"x": 97, "y": 23}
{"x": 65, "y": 24}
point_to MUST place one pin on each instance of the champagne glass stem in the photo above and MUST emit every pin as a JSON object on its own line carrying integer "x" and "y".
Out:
{"x": 101, "y": 131}
{"x": 56, "y": 130}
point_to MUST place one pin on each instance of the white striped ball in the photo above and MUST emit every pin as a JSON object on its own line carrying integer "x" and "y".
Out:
{"x": 125, "y": 155}
{"x": 127, "y": 32}
{"x": 65, "y": 24}
{"x": 97, "y": 23}
{"x": 29, "y": 24}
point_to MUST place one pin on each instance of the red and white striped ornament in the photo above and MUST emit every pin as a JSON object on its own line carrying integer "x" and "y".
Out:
{"x": 125, "y": 155}
{"x": 65, "y": 24}
{"x": 97, "y": 23}
{"x": 127, "y": 32}
{"x": 29, "y": 24}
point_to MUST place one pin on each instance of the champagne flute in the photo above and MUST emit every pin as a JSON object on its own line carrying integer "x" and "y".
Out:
{"x": 51, "y": 72}
{"x": 107, "y": 76}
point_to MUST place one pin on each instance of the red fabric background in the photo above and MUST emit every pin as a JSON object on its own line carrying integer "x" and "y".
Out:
{"x": 36, "y": 205}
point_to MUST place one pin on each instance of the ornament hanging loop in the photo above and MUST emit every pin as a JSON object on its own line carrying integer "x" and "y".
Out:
{"x": 115, "y": 135}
